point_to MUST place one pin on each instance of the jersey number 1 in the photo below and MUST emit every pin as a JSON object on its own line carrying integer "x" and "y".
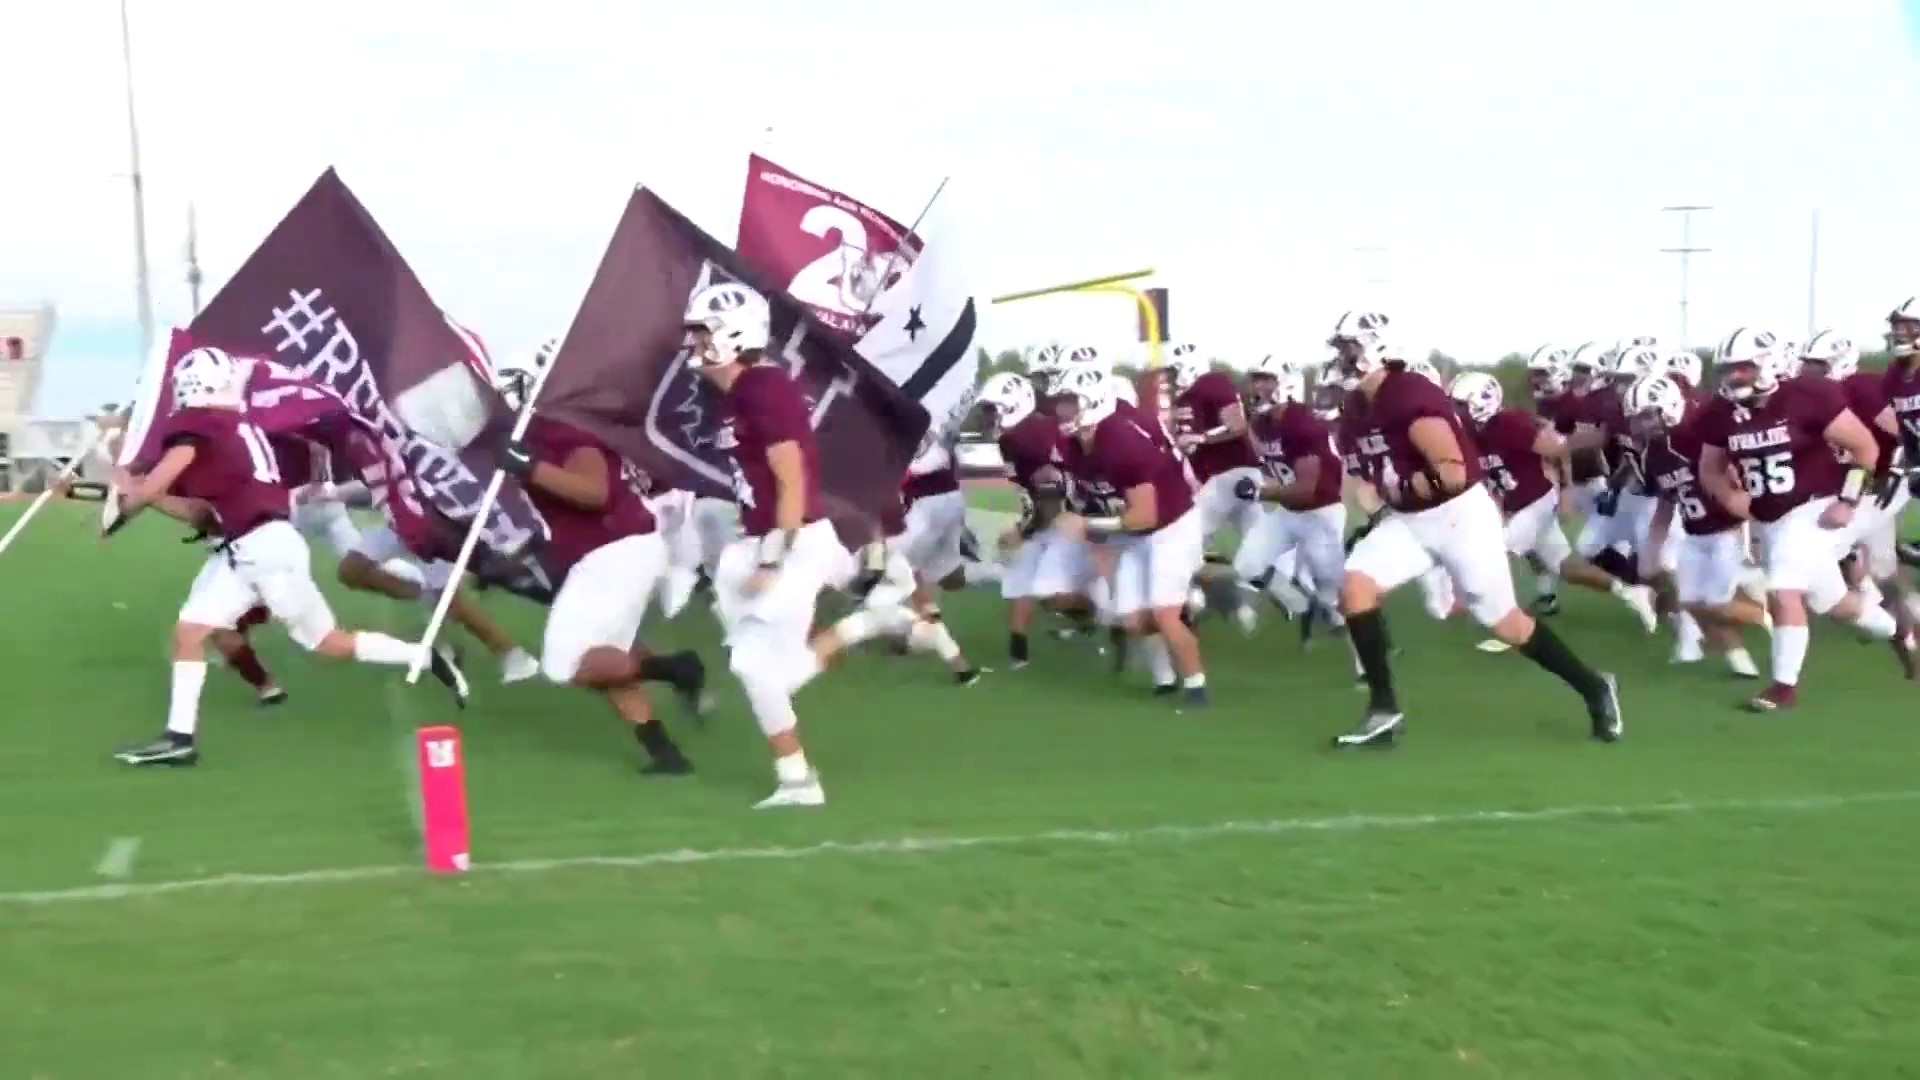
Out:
{"x": 266, "y": 467}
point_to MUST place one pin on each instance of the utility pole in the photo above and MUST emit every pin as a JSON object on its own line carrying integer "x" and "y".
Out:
{"x": 143, "y": 284}
{"x": 1813, "y": 279}
{"x": 1686, "y": 251}
{"x": 193, "y": 259}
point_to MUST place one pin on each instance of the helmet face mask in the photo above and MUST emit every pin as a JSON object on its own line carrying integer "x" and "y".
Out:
{"x": 726, "y": 323}
{"x": 1748, "y": 364}
{"x": 207, "y": 377}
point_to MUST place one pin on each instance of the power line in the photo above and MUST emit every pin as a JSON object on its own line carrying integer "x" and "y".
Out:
{"x": 1686, "y": 251}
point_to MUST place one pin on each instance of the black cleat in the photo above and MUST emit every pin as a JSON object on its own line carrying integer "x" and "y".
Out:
{"x": 1546, "y": 604}
{"x": 674, "y": 764}
{"x": 969, "y": 676}
{"x": 1378, "y": 729}
{"x": 690, "y": 685}
{"x": 1166, "y": 689}
{"x": 445, "y": 665}
{"x": 272, "y": 696}
{"x": 167, "y": 749}
{"x": 1307, "y": 620}
{"x": 1604, "y": 710}
{"x": 1194, "y": 699}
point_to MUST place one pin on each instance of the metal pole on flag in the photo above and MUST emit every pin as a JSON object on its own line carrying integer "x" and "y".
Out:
{"x": 487, "y": 500}
{"x": 73, "y": 466}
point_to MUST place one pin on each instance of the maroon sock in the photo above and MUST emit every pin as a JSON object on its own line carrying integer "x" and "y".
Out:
{"x": 247, "y": 665}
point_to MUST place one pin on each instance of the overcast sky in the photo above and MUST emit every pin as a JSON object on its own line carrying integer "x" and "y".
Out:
{"x": 1509, "y": 158}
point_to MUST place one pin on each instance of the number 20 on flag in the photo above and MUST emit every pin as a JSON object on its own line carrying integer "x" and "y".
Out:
{"x": 443, "y": 798}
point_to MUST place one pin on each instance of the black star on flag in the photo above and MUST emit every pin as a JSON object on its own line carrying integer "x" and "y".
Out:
{"x": 914, "y": 325}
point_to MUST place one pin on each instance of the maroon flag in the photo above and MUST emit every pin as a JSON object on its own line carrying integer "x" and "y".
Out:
{"x": 622, "y": 373}
{"x": 327, "y": 298}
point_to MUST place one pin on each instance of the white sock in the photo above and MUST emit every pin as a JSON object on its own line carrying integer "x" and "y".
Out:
{"x": 1739, "y": 660}
{"x": 1100, "y": 595}
{"x": 1159, "y": 659}
{"x": 1620, "y": 588}
{"x": 792, "y": 769}
{"x": 1195, "y": 681}
{"x": 1546, "y": 584}
{"x": 183, "y": 705}
{"x": 1686, "y": 628}
{"x": 1288, "y": 595}
{"x": 1789, "y": 653}
{"x": 1877, "y": 622}
{"x": 374, "y": 647}
{"x": 934, "y": 637}
{"x": 882, "y": 620}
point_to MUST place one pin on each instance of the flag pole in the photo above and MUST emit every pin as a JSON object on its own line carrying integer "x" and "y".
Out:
{"x": 491, "y": 496}
{"x": 143, "y": 285}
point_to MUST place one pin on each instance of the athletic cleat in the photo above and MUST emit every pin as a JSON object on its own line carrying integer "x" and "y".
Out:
{"x": 1776, "y": 698}
{"x": 674, "y": 764}
{"x": 1740, "y": 662}
{"x": 1546, "y": 604}
{"x": 1494, "y": 645}
{"x": 969, "y": 676}
{"x": 271, "y": 696}
{"x": 1166, "y": 689}
{"x": 1604, "y": 711}
{"x": 167, "y": 749}
{"x": 445, "y": 665}
{"x": 518, "y": 665}
{"x": 1639, "y": 600}
{"x": 1378, "y": 729}
{"x": 1193, "y": 699}
{"x": 806, "y": 792}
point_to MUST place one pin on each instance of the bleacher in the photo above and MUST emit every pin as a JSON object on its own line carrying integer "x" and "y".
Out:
{"x": 24, "y": 334}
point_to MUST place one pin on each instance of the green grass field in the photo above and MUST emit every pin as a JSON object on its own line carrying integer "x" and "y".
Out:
{"x": 1047, "y": 875}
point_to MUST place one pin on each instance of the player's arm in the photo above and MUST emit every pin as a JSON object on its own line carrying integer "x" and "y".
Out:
{"x": 1851, "y": 437}
{"x": 142, "y": 492}
{"x": 1306, "y": 480}
{"x": 1139, "y": 512}
{"x": 1446, "y": 463}
{"x": 789, "y": 469}
{"x": 1656, "y": 537}
{"x": 1232, "y": 425}
{"x": 584, "y": 479}
{"x": 1555, "y": 458}
{"x": 194, "y": 513}
{"x": 1717, "y": 480}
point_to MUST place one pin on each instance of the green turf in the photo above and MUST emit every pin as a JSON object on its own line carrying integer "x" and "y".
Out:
{"x": 1741, "y": 911}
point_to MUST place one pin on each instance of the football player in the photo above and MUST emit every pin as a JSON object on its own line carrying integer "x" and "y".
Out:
{"x": 1517, "y": 453}
{"x": 1156, "y": 535}
{"x": 1210, "y": 428}
{"x": 1418, "y": 456}
{"x": 1708, "y": 562}
{"x": 1047, "y": 567}
{"x": 1303, "y": 480}
{"x": 217, "y": 473}
{"x": 767, "y": 581}
{"x": 608, "y": 556}
{"x": 1779, "y": 437}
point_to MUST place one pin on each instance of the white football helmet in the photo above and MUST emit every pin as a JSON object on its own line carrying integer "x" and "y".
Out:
{"x": 1091, "y": 391}
{"x": 1749, "y": 364}
{"x": 207, "y": 376}
{"x": 1903, "y": 327}
{"x": 1686, "y": 364}
{"x": 1422, "y": 367}
{"x": 736, "y": 320}
{"x": 1011, "y": 398}
{"x": 1356, "y": 343}
{"x": 1186, "y": 367}
{"x": 1834, "y": 349}
{"x": 1547, "y": 370}
{"x": 1655, "y": 398}
{"x": 1586, "y": 363}
{"x": 1086, "y": 356}
{"x": 1479, "y": 392}
{"x": 1634, "y": 363}
{"x": 1287, "y": 384}
{"x": 1047, "y": 361}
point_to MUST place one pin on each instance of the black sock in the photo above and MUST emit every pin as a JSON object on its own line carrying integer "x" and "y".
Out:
{"x": 672, "y": 668}
{"x": 653, "y": 735}
{"x": 1618, "y": 565}
{"x": 1017, "y": 647}
{"x": 1546, "y": 649}
{"x": 1368, "y": 630}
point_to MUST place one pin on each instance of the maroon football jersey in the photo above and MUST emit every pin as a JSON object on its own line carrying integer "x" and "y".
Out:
{"x": 1902, "y": 386}
{"x": 1087, "y": 491}
{"x": 1198, "y": 410}
{"x": 762, "y": 409}
{"x": 1673, "y": 468}
{"x": 1386, "y": 450}
{"x": 1125, "y": 454}
{"x": 1516, "y": 474}
{"x": 1779, "y": 444}
{"x": 234, "y": 470}
{"x": 1287, "y": 435}
{"x": 1866, "y": 395}
{"x": 576, "y": 533}
{"x": 1575, "y": 410}
{"x": 1029, "y": 446}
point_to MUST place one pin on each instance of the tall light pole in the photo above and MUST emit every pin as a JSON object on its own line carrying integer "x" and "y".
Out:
{"x": 1686, "y": 251}
{"x": 193, "y": 259}
{"x": 143, "y": 286}
{"x": 1813, "y": 278}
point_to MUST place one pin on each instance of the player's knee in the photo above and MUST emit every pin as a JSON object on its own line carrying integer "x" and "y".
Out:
{"x": 1358, "y": 592}
{"x": 191, "y": 637}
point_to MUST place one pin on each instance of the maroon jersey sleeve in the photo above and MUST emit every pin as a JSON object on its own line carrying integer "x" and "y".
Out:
{"x": 1866, "y": 395}
{"x": 766, "y": 409}
{"x": 575, "y": 532}
{"x": 1126, "y": 456}
{"x": 234, "y": 469}
{"x": 1403, "y": 400}
{"x": 1303, "y": 436}
{"x": 1200, "y": 410}
{"x": 1514, "y": 470}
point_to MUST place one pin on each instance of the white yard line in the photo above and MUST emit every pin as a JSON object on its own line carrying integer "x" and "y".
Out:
{"x": 935, "y": 845}
{"x": 117, "y": 863}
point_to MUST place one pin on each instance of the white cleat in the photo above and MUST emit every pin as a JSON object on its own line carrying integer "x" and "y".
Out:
{"x": 807, "y": 792}
{"x": 518, "y": 665}
{"x": 1688, "y": 653}
{"x": 1740, "y": 662}
{"x": 1247, "y": 618}
{"x": 1639, "y": 598}
{"x": 1493, "y": 645}
{"x": 678, "y": 589}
